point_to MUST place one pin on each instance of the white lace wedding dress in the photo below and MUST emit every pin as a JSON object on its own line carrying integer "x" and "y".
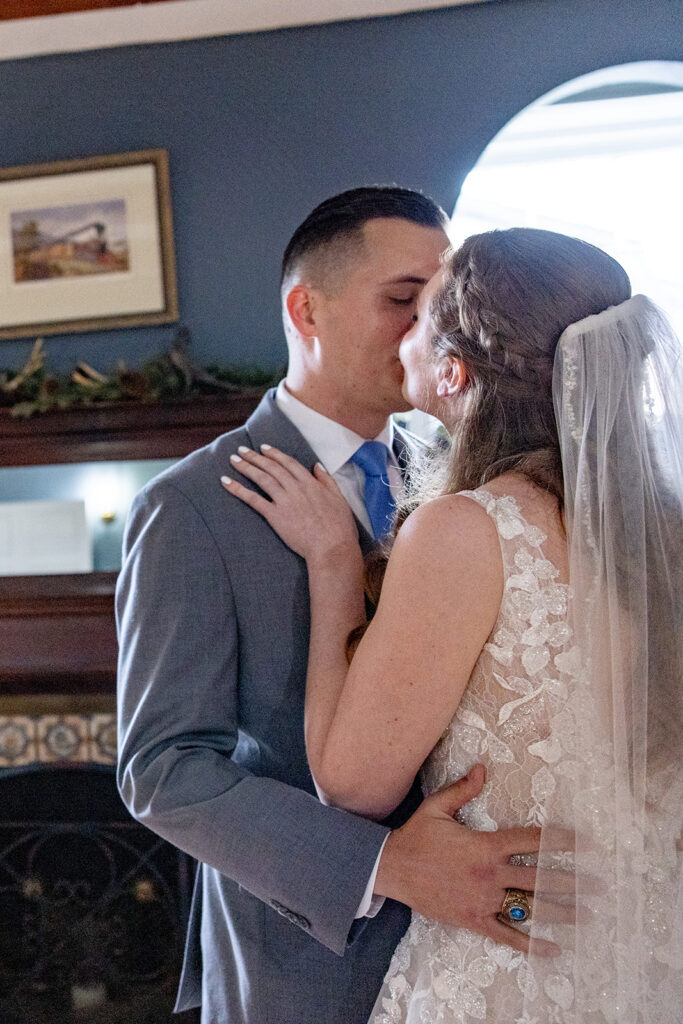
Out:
{"x": 510, "y": 718}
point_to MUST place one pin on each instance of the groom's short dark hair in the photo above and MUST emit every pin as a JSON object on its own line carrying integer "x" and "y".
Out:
{"x": 337, "y": 223}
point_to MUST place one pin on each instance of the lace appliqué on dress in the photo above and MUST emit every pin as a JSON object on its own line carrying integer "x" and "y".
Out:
{"x": 510, "y": 717}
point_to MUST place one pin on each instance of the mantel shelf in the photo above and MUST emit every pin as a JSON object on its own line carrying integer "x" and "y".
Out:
{"x": 129, "y": 430}
{"x": 57, "y": 634}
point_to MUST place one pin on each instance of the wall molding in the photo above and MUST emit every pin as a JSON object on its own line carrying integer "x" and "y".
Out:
{"x": 187, "y": 19}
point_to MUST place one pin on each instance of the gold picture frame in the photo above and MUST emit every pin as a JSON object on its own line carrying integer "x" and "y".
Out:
{"x": 86, "y": 245}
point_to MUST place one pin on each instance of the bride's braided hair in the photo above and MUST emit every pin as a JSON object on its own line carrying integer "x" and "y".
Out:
{"x": 506, "y": 299}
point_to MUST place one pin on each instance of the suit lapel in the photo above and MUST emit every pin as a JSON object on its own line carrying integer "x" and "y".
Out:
{"x": 269, "y": 425}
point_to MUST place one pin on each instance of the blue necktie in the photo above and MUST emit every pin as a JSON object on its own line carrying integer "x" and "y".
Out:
{"x": 379, "y": 502}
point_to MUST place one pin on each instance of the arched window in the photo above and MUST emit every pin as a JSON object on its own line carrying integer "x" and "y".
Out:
{"x": 601, "y": 158}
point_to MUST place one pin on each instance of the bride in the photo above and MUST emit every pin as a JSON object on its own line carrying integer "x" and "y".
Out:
{"x": 527, "y": 620}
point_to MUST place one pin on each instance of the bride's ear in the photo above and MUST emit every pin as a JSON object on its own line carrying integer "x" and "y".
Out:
{"x": 452, "y": 377}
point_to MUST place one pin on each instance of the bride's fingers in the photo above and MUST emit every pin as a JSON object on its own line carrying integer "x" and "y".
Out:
{"x": 251, "y": 465}
{"x": 326, "y": 478}
{"x": 300, "y": 473}
{"x": 288, "y": 472}
{"x": 285, "y": 462}
{"x": 251, "y": 498}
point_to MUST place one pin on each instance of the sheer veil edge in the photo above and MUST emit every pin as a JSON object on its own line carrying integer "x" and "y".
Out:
{"x": 613, "y": 774}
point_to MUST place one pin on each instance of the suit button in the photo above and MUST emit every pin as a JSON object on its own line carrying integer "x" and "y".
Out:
{"x": 291, "y": 915}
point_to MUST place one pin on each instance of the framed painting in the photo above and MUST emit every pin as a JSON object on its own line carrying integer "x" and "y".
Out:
{"x": 86, "y": 245}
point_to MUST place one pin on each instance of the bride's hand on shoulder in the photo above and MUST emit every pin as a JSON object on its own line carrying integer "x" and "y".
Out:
{"x": 307, "y": 510}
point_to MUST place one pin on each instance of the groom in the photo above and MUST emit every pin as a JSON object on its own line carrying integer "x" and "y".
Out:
{"x": 288, "y": 924}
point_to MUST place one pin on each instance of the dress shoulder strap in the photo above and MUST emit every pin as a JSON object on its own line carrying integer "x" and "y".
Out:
{"x": 507, "y": 517}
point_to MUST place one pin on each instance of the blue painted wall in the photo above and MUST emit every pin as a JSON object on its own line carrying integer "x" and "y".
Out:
{"x": 261, "y": 127}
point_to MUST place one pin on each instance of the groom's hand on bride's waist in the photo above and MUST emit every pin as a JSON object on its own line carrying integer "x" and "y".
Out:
{"x": 453, "y": 874}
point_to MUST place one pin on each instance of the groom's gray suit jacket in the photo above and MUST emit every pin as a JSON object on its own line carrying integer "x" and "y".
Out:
{"x": 213, "y": 616}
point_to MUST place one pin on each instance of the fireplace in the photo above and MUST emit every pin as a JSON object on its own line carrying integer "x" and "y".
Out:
{"x": 92, "y": 905}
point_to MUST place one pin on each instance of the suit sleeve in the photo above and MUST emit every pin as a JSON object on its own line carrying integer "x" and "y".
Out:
{"x": 178, "y": 728}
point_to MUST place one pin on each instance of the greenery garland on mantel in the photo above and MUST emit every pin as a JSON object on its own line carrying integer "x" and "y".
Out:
{"x": 170, "y": 375}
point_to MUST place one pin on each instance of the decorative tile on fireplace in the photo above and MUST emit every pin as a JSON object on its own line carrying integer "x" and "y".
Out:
{"x": 17, "y": 740}
{"x": 62, "y": 738}
{"x": 25, "y": 739}
{"x": 102, "y": 739}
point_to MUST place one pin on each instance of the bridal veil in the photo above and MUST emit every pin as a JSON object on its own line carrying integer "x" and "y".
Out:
{"x": 613, "y": 757}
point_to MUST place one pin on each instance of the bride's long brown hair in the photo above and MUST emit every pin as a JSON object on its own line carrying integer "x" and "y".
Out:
{"x": 507, "y": 297}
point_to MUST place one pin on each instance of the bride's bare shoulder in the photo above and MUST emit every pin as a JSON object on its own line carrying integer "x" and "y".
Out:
{"x": 448, "y": 553}
{"x": 456, "y": 522}
{"x": 450, "y": 524}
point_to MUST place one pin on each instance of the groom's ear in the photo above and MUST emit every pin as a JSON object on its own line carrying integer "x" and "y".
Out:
{"x": 452, "y": 377}
{"x": 301, "y": 305}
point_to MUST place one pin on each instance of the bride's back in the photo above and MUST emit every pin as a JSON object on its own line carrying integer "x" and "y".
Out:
{"x": 519, "y": 681}
{"x": 510, "y": 718}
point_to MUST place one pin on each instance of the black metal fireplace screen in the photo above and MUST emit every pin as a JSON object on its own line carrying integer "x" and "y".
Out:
{"x": 92, "y": 905}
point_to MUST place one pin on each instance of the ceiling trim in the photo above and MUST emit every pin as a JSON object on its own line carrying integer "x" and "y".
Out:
{"x": 186, "y": 19}
{"x": 13, "y": 9}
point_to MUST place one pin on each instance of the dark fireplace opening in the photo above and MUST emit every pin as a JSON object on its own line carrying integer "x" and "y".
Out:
{"x": 93, "y": 906}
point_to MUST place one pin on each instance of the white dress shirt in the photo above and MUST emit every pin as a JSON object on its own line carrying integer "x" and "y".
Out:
{"x": 334, "y": 445}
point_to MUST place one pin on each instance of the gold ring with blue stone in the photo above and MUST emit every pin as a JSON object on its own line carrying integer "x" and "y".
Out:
{"x": 516, "y": 906}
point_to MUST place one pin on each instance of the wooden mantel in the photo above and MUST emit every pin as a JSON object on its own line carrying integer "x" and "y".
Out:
{"x": 129, "y": 430}
{"x": 57, "y": 634}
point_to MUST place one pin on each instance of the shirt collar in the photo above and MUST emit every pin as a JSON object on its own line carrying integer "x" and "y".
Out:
{"x": 333, "y": 443}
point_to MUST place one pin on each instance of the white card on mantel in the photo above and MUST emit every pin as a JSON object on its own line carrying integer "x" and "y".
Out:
{"x": 44, "y": 537}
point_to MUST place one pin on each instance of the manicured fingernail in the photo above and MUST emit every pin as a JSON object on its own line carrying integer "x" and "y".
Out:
{"x": 320, "y": 466}
{"x": 235, "y": 458}
{"x": 226, "y": 481}
{"x": 266, "y": 447}
{"x": 243, "y": 448}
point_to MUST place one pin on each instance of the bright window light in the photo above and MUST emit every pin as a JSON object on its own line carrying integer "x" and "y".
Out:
{"x": 600, "y": 158}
